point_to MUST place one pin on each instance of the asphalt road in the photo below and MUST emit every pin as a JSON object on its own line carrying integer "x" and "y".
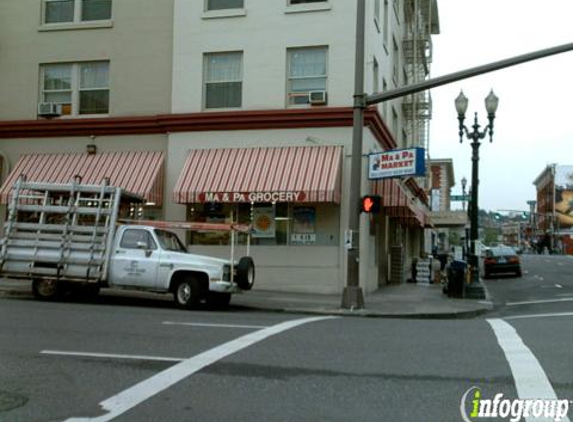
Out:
{"x": 122, "y": 362}
{"x": 545, "y": 287}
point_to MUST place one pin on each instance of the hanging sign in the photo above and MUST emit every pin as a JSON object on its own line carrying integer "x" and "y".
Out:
{"x": 397, "y": 163}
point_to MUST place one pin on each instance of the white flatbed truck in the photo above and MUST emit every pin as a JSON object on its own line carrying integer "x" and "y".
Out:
{"x": 66, "y": 237}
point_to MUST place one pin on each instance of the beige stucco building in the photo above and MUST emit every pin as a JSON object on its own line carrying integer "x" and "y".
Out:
{"x": 262, "y": 89}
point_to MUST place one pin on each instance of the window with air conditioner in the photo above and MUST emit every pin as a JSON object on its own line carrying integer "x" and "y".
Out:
{"x": 223, "y": 75}
{"x": 75, "y": 11}
{"x": 224, "y": 4}
{"x": 306, "y": 73}
{"x": 79, "y": 88}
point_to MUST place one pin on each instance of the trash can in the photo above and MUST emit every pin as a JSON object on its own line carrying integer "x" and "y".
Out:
{"x": 456, "y": 278}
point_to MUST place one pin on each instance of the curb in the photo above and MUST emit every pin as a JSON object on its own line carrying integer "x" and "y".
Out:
{"x": 469, "y": 314}
{"x": 362, "y": 313}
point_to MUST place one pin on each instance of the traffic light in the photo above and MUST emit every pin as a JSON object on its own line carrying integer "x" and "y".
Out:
{"x": 370, "y": 204}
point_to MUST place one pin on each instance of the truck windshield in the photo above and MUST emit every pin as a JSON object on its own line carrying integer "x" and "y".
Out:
{"x": 169, "y": 241}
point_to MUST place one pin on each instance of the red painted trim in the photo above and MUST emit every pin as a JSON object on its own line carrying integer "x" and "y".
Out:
{"x": 193, "y": 122}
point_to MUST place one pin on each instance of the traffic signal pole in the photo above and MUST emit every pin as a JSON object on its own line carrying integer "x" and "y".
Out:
{"x": 353, "y": 297}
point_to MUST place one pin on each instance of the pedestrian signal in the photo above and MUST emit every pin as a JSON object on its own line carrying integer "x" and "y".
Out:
{"x": 370, "y": 204}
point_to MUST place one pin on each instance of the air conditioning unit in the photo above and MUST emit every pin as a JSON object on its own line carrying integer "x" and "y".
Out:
{"x": 49, "y": 109}
{"x": 317, "y": 97}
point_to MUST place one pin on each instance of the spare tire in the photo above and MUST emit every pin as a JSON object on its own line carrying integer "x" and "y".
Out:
{"x": 246, "y": 273}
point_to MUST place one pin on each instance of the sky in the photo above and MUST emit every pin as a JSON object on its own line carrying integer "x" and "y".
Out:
{"x": 534, "y": 120}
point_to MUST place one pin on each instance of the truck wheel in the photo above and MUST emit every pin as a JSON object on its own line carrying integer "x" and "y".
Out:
{"x": 246, "y": 273}
{"x": 187, "y": 294}
{"x": 44, "y": 289}
{"x": 218, "y": 300}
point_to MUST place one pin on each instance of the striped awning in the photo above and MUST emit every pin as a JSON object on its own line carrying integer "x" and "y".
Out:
{"x": 397, "y": 202}
{"x": 281, "y": 174}
{"x": 138, "y": 172}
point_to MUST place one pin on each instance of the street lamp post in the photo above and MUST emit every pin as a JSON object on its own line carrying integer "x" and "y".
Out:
{"x": 475, "y": 289}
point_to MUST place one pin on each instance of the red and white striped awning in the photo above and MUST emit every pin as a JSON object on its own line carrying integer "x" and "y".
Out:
{"x": 138, "y": 172}
{"x": 397, "y": 202}
{"x": 280, "y": 174}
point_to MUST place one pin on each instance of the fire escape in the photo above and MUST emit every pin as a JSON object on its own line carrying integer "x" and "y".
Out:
{"x": 417, "y": 50}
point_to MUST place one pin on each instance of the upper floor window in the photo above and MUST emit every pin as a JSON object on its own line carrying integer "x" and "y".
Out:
{"x": 223, "y": 80}
{"x": 225, "y": 4}
{"x": 395, "y": 62}
{"x": 75, "y": 11}
{"x": 80, "y": 88}
{"x": 375, "y": 76}
{"x": 385, "y": 24}
{"x": 307, "y": 71}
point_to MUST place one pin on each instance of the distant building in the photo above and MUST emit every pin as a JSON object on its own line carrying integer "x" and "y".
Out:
{"x": 555, "y": 208}
{"x": 449, "y": 226}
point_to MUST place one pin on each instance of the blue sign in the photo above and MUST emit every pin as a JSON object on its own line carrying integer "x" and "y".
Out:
{"x": 409, "y": 162}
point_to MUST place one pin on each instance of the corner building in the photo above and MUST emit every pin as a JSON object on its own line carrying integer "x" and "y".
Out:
{"x": 217, "y": 110}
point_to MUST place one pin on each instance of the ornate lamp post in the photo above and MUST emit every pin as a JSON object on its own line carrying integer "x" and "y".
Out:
{"x": 475, "y": 290}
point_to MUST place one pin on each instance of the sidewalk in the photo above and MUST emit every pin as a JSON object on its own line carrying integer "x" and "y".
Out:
{"x": 401, "y": 301}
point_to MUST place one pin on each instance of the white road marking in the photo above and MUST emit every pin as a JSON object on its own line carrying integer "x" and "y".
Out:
{"x": 109, "y": 355}
{"x": 133, "y": 396}
{"x": 533, "y": 302}
{"x": 530, "y": 380}
{"x": 198, "y": 324}
{"x": 560, "y": 314}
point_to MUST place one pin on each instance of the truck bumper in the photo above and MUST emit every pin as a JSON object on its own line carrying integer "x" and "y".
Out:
{"x": 223, "y": 287}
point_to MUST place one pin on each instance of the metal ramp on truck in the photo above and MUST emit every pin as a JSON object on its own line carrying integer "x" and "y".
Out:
{"x": 59, "y": 231}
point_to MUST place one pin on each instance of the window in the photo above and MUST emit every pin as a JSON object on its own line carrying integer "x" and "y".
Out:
{"x": 395, "y": 62}
{"x": 386, "y": 25}
{"x": 394, "y": 123}
{"x": 307, "y": 71}
{"x": 377, "y": 14}
{"x": 385, "y": 103}
{"x": 137, "y": 239}
{"x": 276, "y": 224}
{"x": 375, "y": 76}
{"x": 81, "y": 88}
{"x": 169, "y": 241}
{"x": 224, "y": 4}
{"x": 223, "y": 80}
{"x": 75, "y": 11}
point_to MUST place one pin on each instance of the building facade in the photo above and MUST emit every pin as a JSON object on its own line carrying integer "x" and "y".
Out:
{"x": 225, "y": 111}
{"x": 554, "y": 214}
{"x": 450, "y": 226}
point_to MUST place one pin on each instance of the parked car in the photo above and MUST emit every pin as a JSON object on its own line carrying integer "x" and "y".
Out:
{"x": 500, "y": 260}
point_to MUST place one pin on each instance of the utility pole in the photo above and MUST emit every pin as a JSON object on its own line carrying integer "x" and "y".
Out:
{"x": 353, "y": 297}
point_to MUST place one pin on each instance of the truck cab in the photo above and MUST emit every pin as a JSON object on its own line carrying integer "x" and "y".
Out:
{"x": 153, "y": 259}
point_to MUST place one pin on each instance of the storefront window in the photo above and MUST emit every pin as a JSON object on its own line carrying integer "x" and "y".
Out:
{"x": 272, "y": 224}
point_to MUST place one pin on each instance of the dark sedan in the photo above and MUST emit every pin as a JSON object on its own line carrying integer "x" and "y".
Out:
{"x": 501, "y": 260}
